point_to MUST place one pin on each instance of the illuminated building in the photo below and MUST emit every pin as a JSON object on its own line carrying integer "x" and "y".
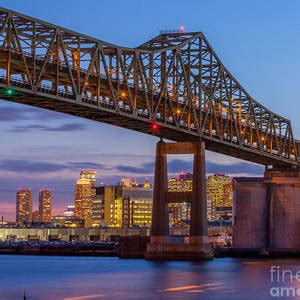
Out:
{"x": 36, "y": 216}
{"x": 24, "y": 207}
{"x": 137, "y": 207}
{"x": 147, "y": 184}
{"x": 129, "y": 182}
{"x": 84, "y": 195}
{"x": 179, "y": 212}
{"x": 66, "y": 221}
{"x": 127, "y": 206}
{"x": 113, "y": 206}
{"x": 45, "y": 206}
{"x": 184, "y": 183}
{"x": 219, "y": 196}
{"x": 98, "y": 207}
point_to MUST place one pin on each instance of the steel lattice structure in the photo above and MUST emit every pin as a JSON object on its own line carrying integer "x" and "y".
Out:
{"x": 175, "y": 81}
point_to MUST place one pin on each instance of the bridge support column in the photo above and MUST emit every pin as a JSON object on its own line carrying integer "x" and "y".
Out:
{"x": 165, "y": 247}
{"x": 160, "y": 226}
{"x": 198, "y": 227}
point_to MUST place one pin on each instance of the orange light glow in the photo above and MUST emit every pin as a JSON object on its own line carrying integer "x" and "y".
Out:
{"x": 182, "y": 288}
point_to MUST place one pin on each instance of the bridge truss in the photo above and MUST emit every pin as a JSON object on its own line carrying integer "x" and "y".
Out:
{"x": 173, "y": 86}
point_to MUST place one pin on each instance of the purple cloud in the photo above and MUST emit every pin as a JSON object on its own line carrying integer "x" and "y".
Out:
{"x": 177, "y": 165}
{"x": 18, "y": 112}
{"x": 45, "y": 167}
{"x": 30, "y": 166}
{"x": 64, "y": 127}
{"x": 11, "y": 114}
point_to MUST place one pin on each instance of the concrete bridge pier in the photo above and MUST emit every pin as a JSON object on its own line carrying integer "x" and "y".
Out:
{"x": 160, "y": 227}
{"x": 267, "y": 213}
{"x": 165, "y": 247}
{"x": 198, "y": 225}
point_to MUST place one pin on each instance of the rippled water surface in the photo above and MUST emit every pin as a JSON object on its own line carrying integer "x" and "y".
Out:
{"x": 84, "y": 278}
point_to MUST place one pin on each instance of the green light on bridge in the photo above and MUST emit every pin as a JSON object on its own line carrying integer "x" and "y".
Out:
{"x": 9, "y": 92}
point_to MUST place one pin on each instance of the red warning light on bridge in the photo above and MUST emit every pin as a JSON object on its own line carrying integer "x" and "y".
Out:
{"x": 154, "y": 127}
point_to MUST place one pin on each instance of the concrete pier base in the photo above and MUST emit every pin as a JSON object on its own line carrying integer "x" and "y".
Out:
{"x": 267, "y": 212}
{"x": 164, "y": 248}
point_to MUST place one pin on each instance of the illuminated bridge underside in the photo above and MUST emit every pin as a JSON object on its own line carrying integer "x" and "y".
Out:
{"x": 175, "y": 81}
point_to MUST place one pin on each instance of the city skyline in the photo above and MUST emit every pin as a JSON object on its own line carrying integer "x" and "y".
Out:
{"x": 47, "y": 163}
{"x": 42, "y": 203}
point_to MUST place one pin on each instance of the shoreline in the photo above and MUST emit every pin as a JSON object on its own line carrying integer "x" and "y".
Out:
{"x": 114, "y": 249}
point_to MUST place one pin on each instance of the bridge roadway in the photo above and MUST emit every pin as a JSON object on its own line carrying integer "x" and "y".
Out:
{"x": 173, "y": 86}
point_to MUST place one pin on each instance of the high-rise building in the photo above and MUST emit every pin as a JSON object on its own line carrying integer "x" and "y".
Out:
{"x": 85, "y": 194}
{"x": 24, "y": 207}
{"x": 45, "y": 206}
{"x": 127, "y": 206}
{"x": 113, "y": 206}
{"x": 137, "y": 206}
{"x": 219, "y": 196}
{"x": 98, "y": 207}
{"x": 129, "y": 182}
{"x": 184, "y": 183}
{"x": 179, "y": 212}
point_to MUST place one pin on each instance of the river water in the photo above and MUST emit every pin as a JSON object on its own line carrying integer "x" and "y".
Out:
{"x": 91, "y": 278}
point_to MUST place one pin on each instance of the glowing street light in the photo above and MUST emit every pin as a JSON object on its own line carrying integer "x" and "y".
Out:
{"x": 123, "y": 94}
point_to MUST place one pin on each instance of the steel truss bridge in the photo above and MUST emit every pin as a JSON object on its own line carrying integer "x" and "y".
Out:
{"x": 173, "y": 86}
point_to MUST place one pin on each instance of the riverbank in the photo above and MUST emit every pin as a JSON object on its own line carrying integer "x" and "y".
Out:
{"x": 125, "y": 247}
{"x": 60, "y": 248}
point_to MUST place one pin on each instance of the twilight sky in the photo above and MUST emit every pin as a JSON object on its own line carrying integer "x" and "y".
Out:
{"x": 258, "y": 41}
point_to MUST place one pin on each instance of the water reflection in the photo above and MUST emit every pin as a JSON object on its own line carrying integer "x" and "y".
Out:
{"x": 84, "y": 278}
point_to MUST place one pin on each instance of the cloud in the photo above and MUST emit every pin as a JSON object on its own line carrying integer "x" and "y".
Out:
{"x": 12, "y": 114}
{"x": 178, "y": 165}
{"x": 18, "y": 112}
{"x": 68, "y": 127}
{"x": 19, "y": 166}
{"x": 145, "y": 168}
{"x": 44, "y": 114}
{"x": 87, "y": 165}
{"x": 29, "y": 166}
{"x": 63, "y": 128}
{"x": 237, "y": 168}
